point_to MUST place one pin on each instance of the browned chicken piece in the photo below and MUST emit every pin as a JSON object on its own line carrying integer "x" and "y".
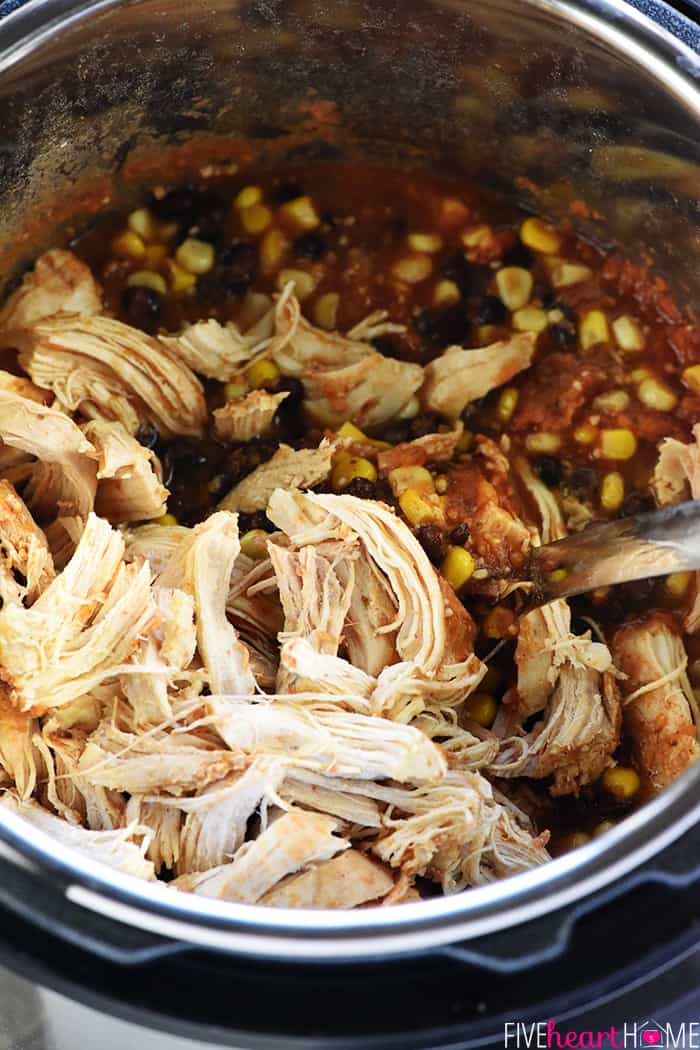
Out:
{"x": 24, "y": 551}
{"x": 288, "y": 469}
{"x": 142, "y": 764}
{"x": 59, "y": 283}
{"x": 107, "y": 370}
{"x": 85, "y": 624}
{"x": 117, "y": 849}
{"x": 202, "y": 566}
{"x": 218, "y": 350}
{"x": 458, "y": 377}
{"x": 18, "y": 757}
{"x": 327, "y": 739}
{"x": 217, "y": 816}
{"x": 676, "y": 478}
{"x": 432, "y": 448}
{"x": 24, "y": 387}
{"x": 63, "y": 481}
{"x": 128, "y": 475}
{"x": 292, "y": 842}
{"x": 248, "y": 417}
{"x": 343, "y": 378}
{"x": 345, "y": 881}
{"x": 660, "y": 710}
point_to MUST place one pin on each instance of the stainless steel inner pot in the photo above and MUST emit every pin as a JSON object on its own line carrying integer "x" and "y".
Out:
{"x": 546, "y": 100}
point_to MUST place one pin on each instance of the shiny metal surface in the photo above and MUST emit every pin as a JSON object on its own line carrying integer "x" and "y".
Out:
{"x": 552, "y": 101}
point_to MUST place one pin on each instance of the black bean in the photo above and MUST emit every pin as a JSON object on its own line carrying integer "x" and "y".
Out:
{"x": 639, "y": 591}
{"x": 432, "y": 541}
{"x": 362, "y": 488}
{"x": 294, "y": 388}
{"x": 638, "y": 502}
{"x": 550, "y": 470}
{"x": 310, "y": 246}
{"x": 425, "y": 423}
{"x": 388, "y": 345}
{"x": 234, "y": 270}
{"x": 492, "y": 311}
{"x": 564, "y": 308}
{"x": 148, "y": 435}
{"x": 456, "y": 267}
{"x": 285, "y": 191}
{"x": 444, "y": 327}
{"x": 584, "y": 481}
{"x": 209, "y": 225}
{"x": 564, "y": 335}
{"x": 177, "y": 205}
{"x": 460, "y": 534}
{"x": 142, "y": 307}
{"x": 519, "y": 255}
{"x": 257, "y": 520}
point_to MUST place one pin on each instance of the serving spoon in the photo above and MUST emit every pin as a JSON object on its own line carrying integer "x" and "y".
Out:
{"x": 620, "y": 551}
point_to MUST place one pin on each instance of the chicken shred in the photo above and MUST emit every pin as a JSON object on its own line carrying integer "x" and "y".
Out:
{"x": 128, "y": 475}
{"x": 289, "y": 468}
{"x": 59, "y": 284}
{"x": 677, "y": 477}
{"x": 247, "y": 417}
{"x": 458, "y": 376}
{"x": 345, "y": 881}
{"x": 23, "y": 550}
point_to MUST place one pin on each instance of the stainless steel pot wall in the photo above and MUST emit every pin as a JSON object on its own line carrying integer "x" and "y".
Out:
{"x": 551, "y": 101}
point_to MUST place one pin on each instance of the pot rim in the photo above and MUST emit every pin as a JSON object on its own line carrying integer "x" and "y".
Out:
{"x": 322, "y": 935}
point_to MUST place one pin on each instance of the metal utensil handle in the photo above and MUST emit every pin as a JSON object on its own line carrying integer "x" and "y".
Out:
{"x": 635, "y": 548}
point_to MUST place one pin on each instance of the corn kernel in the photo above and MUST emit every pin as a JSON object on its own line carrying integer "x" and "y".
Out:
{"x": 514, "y": 286}
{"x": 558, "y": 575}
{"x": 424, "y": 242}
{"x": 628, "y": 333}
{"x": 181, "y": 280}
{"x": 465, "y": 442}
{"x": 677, "y": 583}
{"x": 603, "y": 828}
{"x": 692, "y": 378}
{"x": 413, "y": 269}
{"x": 410, "y": 410}
{"x": 351, "y": 467}
{"x": 507, "y": 402}
{"x": 566, "y": 274}
{"x": 415, "y": 509}
{"x": 326, "y": 310}
{"x": 349, "y": 430}
{"x": 147, "y": 279}
{"x": 143, "y": 223}
{"x": 573, "y": 841}
{"x": 475, "y": 236}
{"x": 481, "y": 708}
{"x": 441, "y": 485}
{"x": 622, "y": 782}
{"x": 273, "y": 248}
{"x": 593, "y": 329}
{"x": 585, "y": 434}
{"x": 618, "y": 444}
{"x": 301, "y": 213}
{"x": 261, "y": 372}
{"x": 453, "y": 211}
{"x": 498, "y": 623}
{"x": 248, "y": 196}
{"x": 613, "y": 401}
{"x": 416, "y": 478}
{"x": 612, "y": 491}
{"x": 254, "y": 544}
{"x": 128, "y": 245}
{"x": 543, "y": 442}
{"x": 168, "y": 231}
{"x": 530, "y": 319}
{"x": 446, "y": 293}
{"x": 232, "y": 391}
{"x": 154, "y": 256}
{"x": 256, "y": 218}
{"x": 457, "y": 567}
{"x": 304, "y": 283}
{"x": 655, "y": 394}
{"x": 167, "y": 519}
{"x": 195, "y": 256}
{"x": 540, "y": 236}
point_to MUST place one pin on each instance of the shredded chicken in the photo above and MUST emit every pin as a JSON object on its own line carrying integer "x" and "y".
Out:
{"x": 128, "y": 475}
{"x": 292, "y": 842}
{"x": 345, "y": 881}
{"x": 26, "y": 565}
{"x": 289, "y": 469}
{"x": 458, "y": 376}
{"x": 343, "y": 378}
{"x": 59, "y": 283}
{"x": 247, "y": 417}
{"x": 660, "y": 709}
{"x": 216, "y": 350}
{"x": 107, "y": 370}
{"x": 433, "y": 448}
{"x": 677, "y": 477}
